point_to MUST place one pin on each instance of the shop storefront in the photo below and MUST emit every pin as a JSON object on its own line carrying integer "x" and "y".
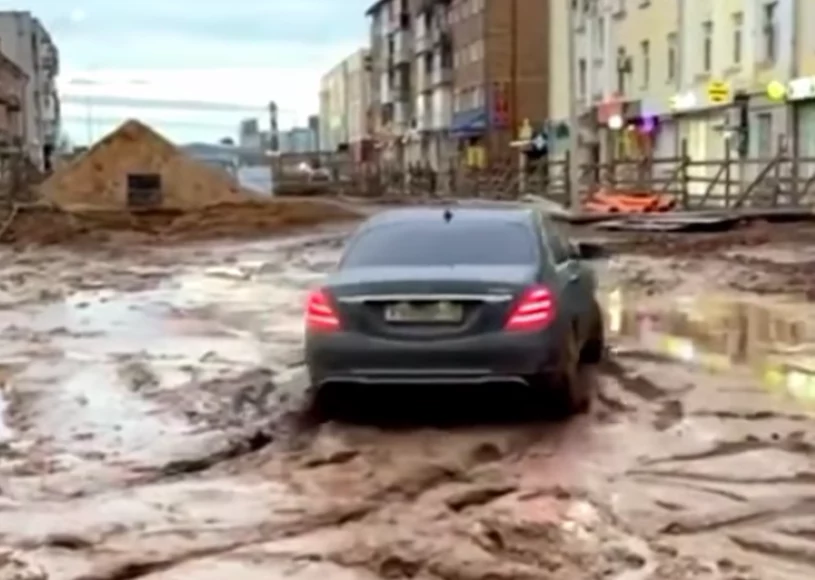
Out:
{"x": 699, "y": 127}
{"x": 801, "y": 95}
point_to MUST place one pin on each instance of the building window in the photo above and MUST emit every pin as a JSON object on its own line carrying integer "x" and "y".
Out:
{"x": 582, "y": 71}
{"x": 601, "y": 36}
{"x": 623, "y": 70}
{"x": 645, "y": 50}
{"x": 476, "y": 51}
{"x": 479, "y": 99}
{"x": 738, "y": 36}
{"x": 672, "y": 54}
{"x": 769, "y": 31}
{"x": 707, "y": 46}
{"x": 764, "y": 136}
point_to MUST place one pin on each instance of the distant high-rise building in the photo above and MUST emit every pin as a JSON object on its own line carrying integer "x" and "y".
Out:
{"x": 298, "y": 140}
{"x": 314, "y": 125}
{"x": 249, "y": 134}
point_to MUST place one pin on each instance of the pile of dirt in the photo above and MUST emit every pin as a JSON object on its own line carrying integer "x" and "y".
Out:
{"x": 135, "y": 164}
{"x": 704, "y": 245}
{"x": 43, "y": 225}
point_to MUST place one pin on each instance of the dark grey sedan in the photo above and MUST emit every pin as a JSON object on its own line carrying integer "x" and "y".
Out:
{"x": 458, "y": 296}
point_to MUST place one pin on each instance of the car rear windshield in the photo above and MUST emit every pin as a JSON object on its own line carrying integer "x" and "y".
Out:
{"x": 440, "y": 244}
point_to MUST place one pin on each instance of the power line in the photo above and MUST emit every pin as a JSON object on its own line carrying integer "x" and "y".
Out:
{"x": 97, "y": 120}
{"x": 156, "y": 103}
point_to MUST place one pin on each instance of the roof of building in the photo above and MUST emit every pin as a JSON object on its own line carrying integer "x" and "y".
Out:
{"x": 375, "y": 7}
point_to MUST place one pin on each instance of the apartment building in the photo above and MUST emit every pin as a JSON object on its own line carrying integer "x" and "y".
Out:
{"x": 13, "y": 84}
{"x": 431, "y": 140}
{"x": 344, "y": 102}
{"x": 626, "y": 59}
{"x": 333, "y": 108}
{"x": 392, "y": 94}
{"x": 26, "y": 42}
{"x": 501, "y": 72}
{"x": 457, "y": 76}
{"x": 653, "y": 74}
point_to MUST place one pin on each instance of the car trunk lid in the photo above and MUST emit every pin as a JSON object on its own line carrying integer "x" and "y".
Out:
{"x": 427, "y": 302}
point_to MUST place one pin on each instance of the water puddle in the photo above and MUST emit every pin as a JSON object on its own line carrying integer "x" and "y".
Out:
{"x": 109, "y": 373}
{"x": 775, "y": 341}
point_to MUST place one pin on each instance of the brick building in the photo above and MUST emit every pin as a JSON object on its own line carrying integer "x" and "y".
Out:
{"x": 456, "y": 78}
{"x": 501, "y": 62}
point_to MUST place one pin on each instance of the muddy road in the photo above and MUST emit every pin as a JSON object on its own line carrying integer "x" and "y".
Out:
{"x": 152, "y": 429}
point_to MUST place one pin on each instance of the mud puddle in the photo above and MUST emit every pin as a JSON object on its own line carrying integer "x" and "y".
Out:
{"x": 728, "y": 383}
{"x": 773, "y": 340}
{"x": 109, "y": 384}
{"x": 125, "y": 405}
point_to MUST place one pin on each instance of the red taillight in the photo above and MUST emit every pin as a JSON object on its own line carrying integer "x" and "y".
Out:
{"x": 534, "y": 310}
{"x": 320, "y": 315}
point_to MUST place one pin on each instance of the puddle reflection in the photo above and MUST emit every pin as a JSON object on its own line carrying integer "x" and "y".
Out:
{"x": 774, "y": 341}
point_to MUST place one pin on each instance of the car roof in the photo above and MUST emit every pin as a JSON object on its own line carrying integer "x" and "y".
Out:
{"x": 459, "y": 214}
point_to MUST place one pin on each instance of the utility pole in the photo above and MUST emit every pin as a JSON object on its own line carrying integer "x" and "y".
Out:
{"x": 274, "y": 144}
{"x": 514, "y": 121}
{"x": 574, "y": 143}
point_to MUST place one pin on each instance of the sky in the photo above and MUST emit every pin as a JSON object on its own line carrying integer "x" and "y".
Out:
{"x": 193, "y": 69}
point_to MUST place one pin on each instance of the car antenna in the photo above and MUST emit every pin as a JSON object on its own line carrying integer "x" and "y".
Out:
{"x": 448, "y": 214}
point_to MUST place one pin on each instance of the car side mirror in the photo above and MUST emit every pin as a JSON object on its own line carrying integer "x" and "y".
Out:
{"x": 588, "y": 251}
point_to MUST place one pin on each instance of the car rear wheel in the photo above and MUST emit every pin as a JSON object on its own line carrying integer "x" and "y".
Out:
{"x": 565, "y": 394}
{"x": 594, "y": 348}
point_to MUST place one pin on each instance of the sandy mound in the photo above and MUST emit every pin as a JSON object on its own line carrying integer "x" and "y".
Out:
{"x": 47, "y": 225}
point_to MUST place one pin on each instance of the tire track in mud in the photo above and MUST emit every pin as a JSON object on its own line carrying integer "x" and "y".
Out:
{"x": 485, "y": 503}
{"x": 754, "y": 513}
{"x": 452, "y": 485}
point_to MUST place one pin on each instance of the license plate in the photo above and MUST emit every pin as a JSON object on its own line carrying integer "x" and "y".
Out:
{"x": 438, "y": 312}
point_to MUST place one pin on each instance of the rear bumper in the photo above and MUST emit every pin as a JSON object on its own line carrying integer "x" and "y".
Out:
{"x": 492, "y": 358}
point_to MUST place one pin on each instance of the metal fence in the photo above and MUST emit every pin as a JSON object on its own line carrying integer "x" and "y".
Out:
{"x": 732, "y": 182}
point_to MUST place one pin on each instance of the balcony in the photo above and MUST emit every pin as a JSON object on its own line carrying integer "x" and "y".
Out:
{"x": 440, "y": 36}
{"x": 442, "y": 107}
{"x": 424, "y": 113}
{"x": 424, "y": 76}
{"x": 386, "y": 92}
{"x": 400, "y": 22}
{"x": 441, "y": 76}
{"x": 401, "y": 115}
{"x": 423, "y": 6}
{"x": 422, "y": 44}
{"x": 402, "y": 48}
{"x": 424, "y": 121}
{"x": 50, "y": 62}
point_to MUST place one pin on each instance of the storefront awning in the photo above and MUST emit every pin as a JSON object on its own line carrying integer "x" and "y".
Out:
{"x": 469, "y": 123}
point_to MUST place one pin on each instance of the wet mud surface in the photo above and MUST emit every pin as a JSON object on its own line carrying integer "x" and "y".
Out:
{"x": 153, "y": 427}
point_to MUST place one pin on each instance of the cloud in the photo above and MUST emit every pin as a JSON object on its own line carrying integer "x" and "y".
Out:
{"x": 294, "y": 89}
{"x": 243, "y": 52}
